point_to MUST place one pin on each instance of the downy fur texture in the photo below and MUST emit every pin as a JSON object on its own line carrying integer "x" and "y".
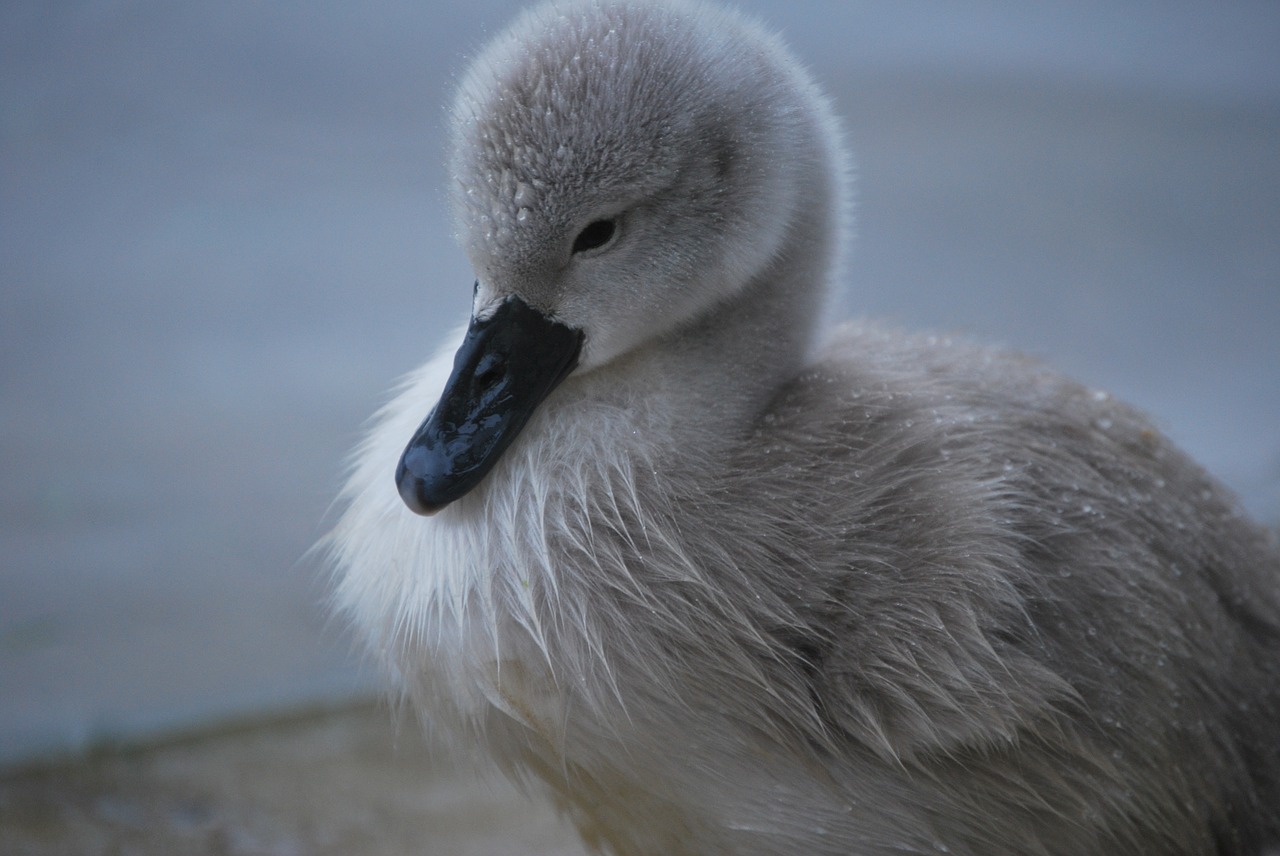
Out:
{"x": 746, "y": 586}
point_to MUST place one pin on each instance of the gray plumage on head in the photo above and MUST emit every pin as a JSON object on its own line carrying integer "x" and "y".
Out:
{"x": 735, "y": 583}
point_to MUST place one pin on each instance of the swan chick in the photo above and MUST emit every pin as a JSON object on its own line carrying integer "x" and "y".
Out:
{"x": 720, "y": 578}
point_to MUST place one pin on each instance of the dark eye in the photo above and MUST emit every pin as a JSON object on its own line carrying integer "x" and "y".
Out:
{"x": 596, "y": 234}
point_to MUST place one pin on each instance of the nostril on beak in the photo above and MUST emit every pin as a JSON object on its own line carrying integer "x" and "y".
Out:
{"x": 491, "y": 370}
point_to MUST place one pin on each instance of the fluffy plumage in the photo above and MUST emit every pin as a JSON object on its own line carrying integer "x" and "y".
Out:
{"x": 741, "y": 588}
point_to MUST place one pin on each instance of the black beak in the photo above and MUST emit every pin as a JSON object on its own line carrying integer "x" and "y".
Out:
{"x": 507, "y": 365}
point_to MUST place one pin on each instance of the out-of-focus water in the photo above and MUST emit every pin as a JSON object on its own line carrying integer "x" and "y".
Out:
{"x": 222, "y": 236}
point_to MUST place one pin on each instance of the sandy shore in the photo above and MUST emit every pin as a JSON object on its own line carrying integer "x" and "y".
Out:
{"x": 347, "y": 782}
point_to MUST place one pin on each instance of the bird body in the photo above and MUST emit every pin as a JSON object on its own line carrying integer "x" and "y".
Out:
{"x": 730, "y": 582}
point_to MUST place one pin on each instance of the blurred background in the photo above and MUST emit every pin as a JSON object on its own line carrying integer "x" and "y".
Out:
{"x": 223, "y": 237}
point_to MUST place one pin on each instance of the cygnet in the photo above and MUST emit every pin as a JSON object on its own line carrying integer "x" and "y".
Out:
{"x": 720, "y": 578}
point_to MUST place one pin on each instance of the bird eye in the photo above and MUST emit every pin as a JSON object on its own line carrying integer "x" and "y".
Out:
{"x": 595, "y": 235}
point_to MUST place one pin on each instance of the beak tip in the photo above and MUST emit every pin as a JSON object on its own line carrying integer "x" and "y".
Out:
{"x": 413, "y": 492}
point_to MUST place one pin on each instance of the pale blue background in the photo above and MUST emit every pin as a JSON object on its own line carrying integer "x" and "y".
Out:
{"x": 222, "y": 236}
